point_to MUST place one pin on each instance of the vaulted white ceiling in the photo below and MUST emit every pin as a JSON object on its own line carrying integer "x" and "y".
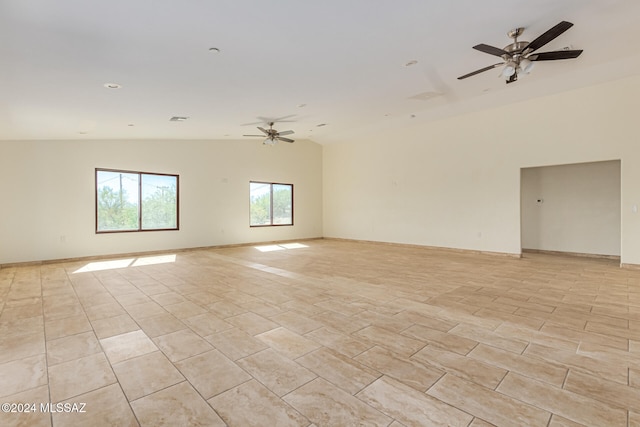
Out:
{"x": 339, "y": 63}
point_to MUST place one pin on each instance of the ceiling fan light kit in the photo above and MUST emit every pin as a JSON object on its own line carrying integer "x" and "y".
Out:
{"x": 509, "y": 69}
{"x": 526, "y": 65}
{"x": 519, "y": 57}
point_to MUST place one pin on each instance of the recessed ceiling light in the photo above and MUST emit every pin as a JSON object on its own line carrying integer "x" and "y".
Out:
{"x": 410, "y": 63}
{"x": 178, "y": 119}
{"x": 214, "y": 50}
{"x": 321, "y": 124}
{"x": 112, "y": 85}
{"x": 83, "y": 132}
{"x": 131, "y": 125}
{"x": 413, "y": 116}
{"x": 302, "y": 105}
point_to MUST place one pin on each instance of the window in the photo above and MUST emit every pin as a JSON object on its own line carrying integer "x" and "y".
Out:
{"x": 135, "y": 201}
{"x": 271, "y": 204}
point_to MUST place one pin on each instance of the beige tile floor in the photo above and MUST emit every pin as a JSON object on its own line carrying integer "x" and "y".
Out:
{"x": 326, "y": 333}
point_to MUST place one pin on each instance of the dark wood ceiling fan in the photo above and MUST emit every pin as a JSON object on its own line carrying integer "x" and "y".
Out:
{"x": 519, "y": 56}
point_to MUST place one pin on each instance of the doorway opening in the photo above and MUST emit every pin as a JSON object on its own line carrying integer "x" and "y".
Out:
{"x": 572, "y": 209}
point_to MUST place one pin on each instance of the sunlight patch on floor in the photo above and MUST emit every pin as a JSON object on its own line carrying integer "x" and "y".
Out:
{"x": 280, "y": 247}
{"x": 127, "y": 262}
{"x": 160, "y": 259}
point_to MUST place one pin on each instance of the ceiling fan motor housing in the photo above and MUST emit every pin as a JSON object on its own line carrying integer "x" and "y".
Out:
{"x": 516, "y": 48}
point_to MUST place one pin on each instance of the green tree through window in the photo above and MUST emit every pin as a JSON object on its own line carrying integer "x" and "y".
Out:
{"x": 270, "y": 204}
{"x": 135, "y": 201}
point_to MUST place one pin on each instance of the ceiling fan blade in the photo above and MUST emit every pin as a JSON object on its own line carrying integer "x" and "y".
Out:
{"x": 286, "y": 132}
{"x": 491, "y": 50}
{"x": 549, "y": 35}
{"x": 481, "y": 70}
{"x": 282, "y": 119}
{"x": 268, "y": 120}
{"x": 263, "y": 130}
{"x": 284, "y": 139}
{"x": 554, "y": 55}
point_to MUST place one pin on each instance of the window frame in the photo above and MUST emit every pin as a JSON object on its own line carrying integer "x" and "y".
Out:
{"x": 271, "y": 224}
{"x": 140, "y": 174}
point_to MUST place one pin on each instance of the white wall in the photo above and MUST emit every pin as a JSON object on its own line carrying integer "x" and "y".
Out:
{"x": 456, "y": 182}
{"x": 451, "y": 183}
{"x": 47, "y": 208}
{"x": 572, "y": 208}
